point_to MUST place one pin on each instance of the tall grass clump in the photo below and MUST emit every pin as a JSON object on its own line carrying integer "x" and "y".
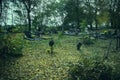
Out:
{"x": 60, "y": 34}
{"x": 92, "y": 69}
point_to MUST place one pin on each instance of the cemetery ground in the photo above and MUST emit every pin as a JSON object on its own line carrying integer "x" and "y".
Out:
{"x": 38, "y": 64}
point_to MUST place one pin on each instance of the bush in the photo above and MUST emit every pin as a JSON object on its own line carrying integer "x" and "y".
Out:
{"x": 60, "y": 34}
{"x": 10, "y": 45}
{"x": 87, "y": 40}
{"x": 90, "y": 69}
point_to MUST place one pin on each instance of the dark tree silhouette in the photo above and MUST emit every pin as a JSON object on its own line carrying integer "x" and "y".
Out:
{"x": 29, "y": 5}
{"x": 0, "y": 8}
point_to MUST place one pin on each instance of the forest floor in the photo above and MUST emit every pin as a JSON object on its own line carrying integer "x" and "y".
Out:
{"x": 37, "y": 64}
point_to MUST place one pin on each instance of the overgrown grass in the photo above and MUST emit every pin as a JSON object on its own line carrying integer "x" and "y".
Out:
{"x": 37, "y": 64}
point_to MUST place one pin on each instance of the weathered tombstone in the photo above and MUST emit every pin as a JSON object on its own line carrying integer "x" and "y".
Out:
{"x": 27, "y": 34}
{"x": 51, "y": 43}
{"x": 79, "y": 45}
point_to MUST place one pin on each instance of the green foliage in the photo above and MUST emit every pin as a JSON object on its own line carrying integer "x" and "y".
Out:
{"x": 15, "y": 46}
{"x": 51, "y": 30}
{"x": 107, "y": 33}
{"x": 103, "y": 17}
{"x": 60, "y": 34}
{"x": 83, "y": 25}
{"x": 18, "y": 29}
{"x": 91, "y": 69}
{"x": 74, "y": 14}
{"x": 10, "y": 45}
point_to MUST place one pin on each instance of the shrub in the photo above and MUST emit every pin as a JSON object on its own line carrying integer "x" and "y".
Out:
{"x": 87, "y": 40}
{"x": 60, "y": 34}
{"x": 15, "y": 46}
{"x": 10, "y": 45}
{"x": 90, "y": 69}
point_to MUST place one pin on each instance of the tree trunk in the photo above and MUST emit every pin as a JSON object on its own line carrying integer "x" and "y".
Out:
{"x": 29, "y": 21}
{"x": 96, "y": 22}
{"x": 0, "y": 13}
{"x": 91, "y": 27}
{"x": 118, "y": 38}
{"x": 89, "y": 16}
{"x": 117, "y": 44}
{"x": 62, "y": 29}
{"x": 0, "y": 8}
{"x": 96, "y": 10}
{"x": 77, "y": 17}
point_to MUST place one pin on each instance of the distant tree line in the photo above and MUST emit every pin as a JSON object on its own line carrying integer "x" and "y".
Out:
{"x": 65, "y": 14}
